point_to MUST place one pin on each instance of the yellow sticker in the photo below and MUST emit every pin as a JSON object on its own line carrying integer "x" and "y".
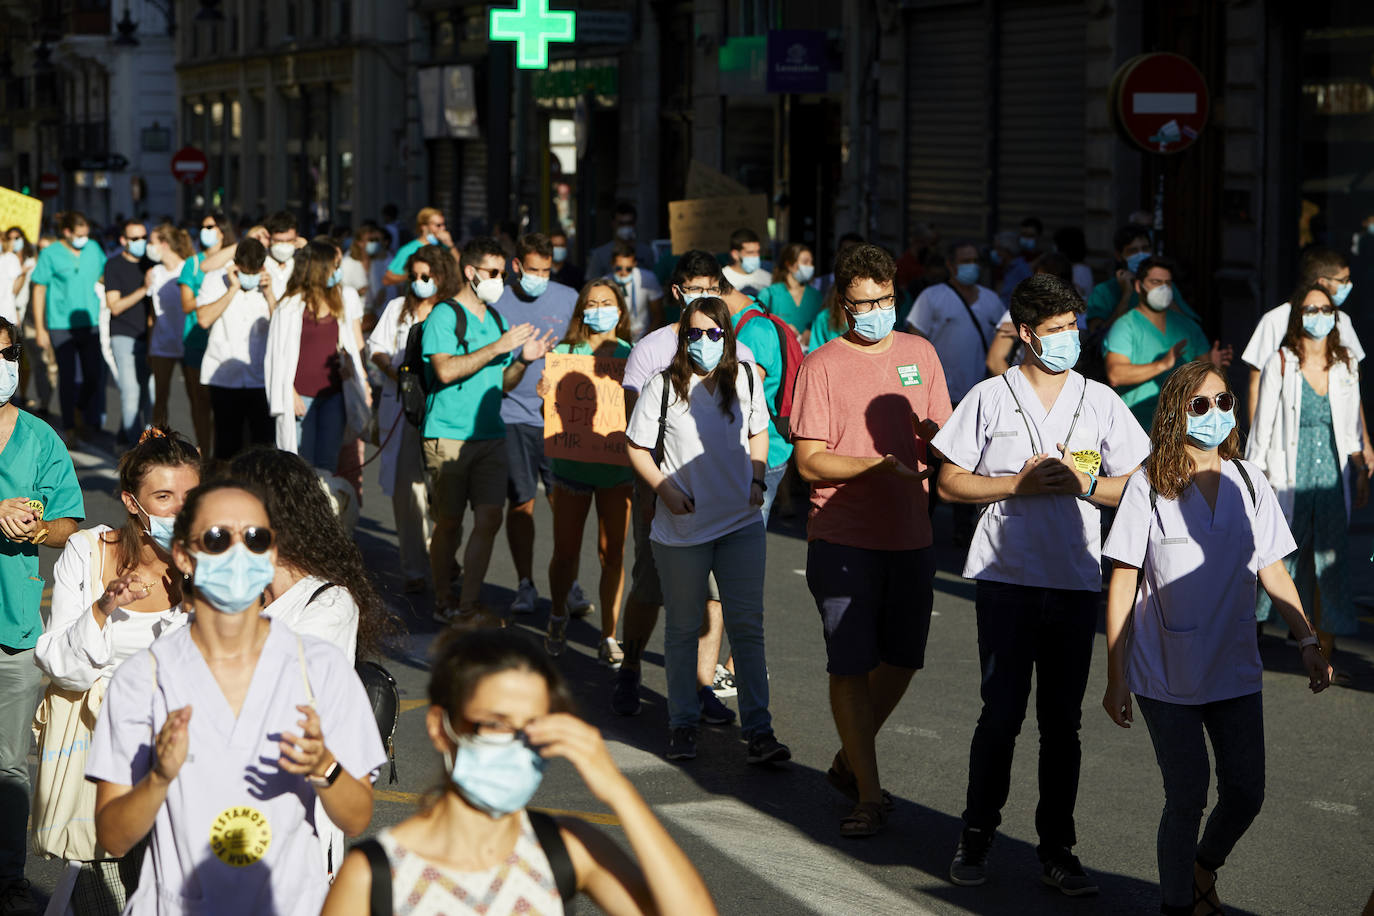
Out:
{"x": 1087, "y": 460}
{"x": 36, "y": 507}
{"x": 240, "y": 836}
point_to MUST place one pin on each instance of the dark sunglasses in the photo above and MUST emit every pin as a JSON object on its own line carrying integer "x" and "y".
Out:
{"x": 419, "y": 276}
{"x": 1319, "y": 310}
{"x": 10, "y": 353}
{"x": 694, "y": 334}
{"x": 1199, "y": 406}
{"x": 217, "y": 539}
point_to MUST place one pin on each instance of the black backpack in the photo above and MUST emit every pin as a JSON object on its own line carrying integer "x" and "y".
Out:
{"x": 412, "y": 382}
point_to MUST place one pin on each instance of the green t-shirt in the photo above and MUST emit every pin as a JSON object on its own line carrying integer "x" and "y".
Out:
{"x": 468, "y": 409}
{"x": 591, "y": 473}
{"x": 194, "y": 338}
{"x": 777, "y": 299}
{"x": 761, "y": 336}
{"x": 70, "y": 278}
{"x": 1105, "y": 295}
{"x": 34, "y": 465}
{"x": 1136, "y": 337}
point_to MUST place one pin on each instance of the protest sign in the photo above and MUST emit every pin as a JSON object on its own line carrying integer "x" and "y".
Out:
{"x": 706, "y": 223}
{"x": 584, "y": 412}
{"x": 21, "y": 210}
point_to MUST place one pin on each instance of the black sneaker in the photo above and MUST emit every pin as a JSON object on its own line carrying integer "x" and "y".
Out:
{"x": 625, "y": 693}
{"x": 682, "y": 744}
{"x": 713, "y": 711}
{"x": 1063, "y": 871}
{"x": 970, "y": 865}
{"x": 765, "y": 748}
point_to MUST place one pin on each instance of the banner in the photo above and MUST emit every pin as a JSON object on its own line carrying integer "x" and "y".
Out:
{"x": 584, "y": 412}
{"x": 708, "y": 222}
{"x": 23, "y": 211}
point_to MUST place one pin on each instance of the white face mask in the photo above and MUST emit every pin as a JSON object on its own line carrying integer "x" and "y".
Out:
{"x": 489, "y": 290}
{"x": 1160, "y": 298}
{"x": 282, "y": 251}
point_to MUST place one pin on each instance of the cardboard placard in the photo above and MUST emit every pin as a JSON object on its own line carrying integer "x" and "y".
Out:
{"x": 23, "y": 211}
{"x": 704, "y": 181}
{"x": 584, "y": 413}
{"x": 706, "y": 223}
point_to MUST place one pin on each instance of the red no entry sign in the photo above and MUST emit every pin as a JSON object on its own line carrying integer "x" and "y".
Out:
{"x": 48, "y": 185}
{"x": 1160, "y": 102}
{"x": 189, "y": 165}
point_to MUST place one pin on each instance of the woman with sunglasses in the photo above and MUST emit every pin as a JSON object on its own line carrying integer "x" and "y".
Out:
{"x": 699, "y": 440}
{"x": 430, "y": 278}
{"x": 1195, "y": 530}
{"x": 213, "y": 739}
{"x": 600, "y": 327}
{"x": 1306, "y": 440}
{"x": 114, "y": 593}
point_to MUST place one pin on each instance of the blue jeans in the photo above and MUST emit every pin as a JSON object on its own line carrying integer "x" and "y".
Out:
{"x": 135, "y": 384}
{"x": 772, "y": 477}
{"x": 737, "y": 559}
{"x": 19, "y": 685}
{"x": 319, "y": 434}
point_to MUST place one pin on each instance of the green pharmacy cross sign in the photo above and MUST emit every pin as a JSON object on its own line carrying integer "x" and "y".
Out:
{"x": 532, "y": 25}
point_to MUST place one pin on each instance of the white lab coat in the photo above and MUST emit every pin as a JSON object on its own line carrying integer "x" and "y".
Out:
{"x": 283, "y": 353}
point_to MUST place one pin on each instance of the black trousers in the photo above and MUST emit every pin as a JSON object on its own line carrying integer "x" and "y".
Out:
{"x": 241, "y": 419}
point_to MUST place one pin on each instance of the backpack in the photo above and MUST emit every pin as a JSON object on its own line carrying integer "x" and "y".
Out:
{"x": 663, "y": 410}
{"x": 792, "y": 354}
{"x": 413, "y": 386}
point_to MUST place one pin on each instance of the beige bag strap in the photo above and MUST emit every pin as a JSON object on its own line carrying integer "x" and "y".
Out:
{"x": 305, "y": 673}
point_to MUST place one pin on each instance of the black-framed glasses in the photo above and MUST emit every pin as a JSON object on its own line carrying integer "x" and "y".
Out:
{"x": 1319, "y": 310}
{"x": 10, "y": 354}
{"x": 1200, "y": 404}
{"x": 217, "y": 539}
{"x": 862, "y": 306}
{"x": 699, "y": 290}
{"x": 715, "y": 334}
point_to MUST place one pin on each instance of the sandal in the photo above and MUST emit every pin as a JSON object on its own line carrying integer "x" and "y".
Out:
{"x": 866, "y": 819}
{"x": 1206, "y": 902}
{"x": 844, "y": 782}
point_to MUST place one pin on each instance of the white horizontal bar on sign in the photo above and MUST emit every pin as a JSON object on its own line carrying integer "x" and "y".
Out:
{"x": 1164, "y": 103}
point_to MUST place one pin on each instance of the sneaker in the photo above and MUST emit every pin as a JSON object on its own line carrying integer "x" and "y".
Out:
{"x": 970, "y": 865}
{"x": 1063, "y": 870}
{"x": 556, "y": 640}
{"x": 764, "y": 748}
{"x": 525, "y": 597}
{"x": 579, "y": 605}
{"x": 724, "y": 684}
{"x": 15, "y": 899}
{"x": 713, "y": 711}
{"x": 682, "y": 744}
{"x": 625, "y": 694}
{"x": 610, "y": 653}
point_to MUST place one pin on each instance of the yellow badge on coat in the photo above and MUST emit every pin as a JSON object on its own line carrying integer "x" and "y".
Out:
{"x": 1087, "y": 460}
{"x": 240, "y": 836}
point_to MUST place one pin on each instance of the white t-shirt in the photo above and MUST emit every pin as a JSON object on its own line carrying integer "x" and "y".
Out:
{"x": 280, "y": 274}
{"x": 749, "y": 284}
{"x": 705, "y": 453}
{"x": 941, "y": 317}
{"x": 236, "y": 350}
{"x": 11, "y": 267}
{"x": 1268, "y": 336}
{"x": 354, "y": 274}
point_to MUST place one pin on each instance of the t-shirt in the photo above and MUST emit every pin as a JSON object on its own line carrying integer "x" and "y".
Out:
{"x": 279, "y": 273}
{"x": 124, "y": 276}
{"x": 761, "y": 336}
{"x": 398, "y": 263}
{"x": 750, "y": 284}
{"x": 317, "y": 369}
{"x": 1272, "y": 327}
{"x": 822, "y": 331}
{"x": 860, "y": 404}
{"x": 1136, "y": 337}
{"x": 1018, "y": 270}
{"x": 236, "y": 351}
{"x": 470, "y": 408}
{"x": 656, "y": 351}
{"x": 941, "y": 315}
{"x": 777, "y": 299}
{"x": 1105, "y": 295}
{"x": 33, "y": 465}
{"x": 705, "y": 454}
{"x": 194, "y": 338}
{"x": 552, "y": 311}
{"x": 354, "y": 274}
{"x": 70, "y": 278}
{"x": 593, "y": 474}
{"x": 10, "y": 269}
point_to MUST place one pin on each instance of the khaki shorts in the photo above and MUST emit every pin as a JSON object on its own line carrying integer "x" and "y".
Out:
{"x": 464, "y": 473}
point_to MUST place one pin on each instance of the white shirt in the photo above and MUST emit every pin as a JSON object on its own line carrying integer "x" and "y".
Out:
{"x": 941, "y": 316}
{"x": 333, "y": 616}
{"x": 237, "y": 345}
{"x": 390, "y": 336}
{"x": 11, "y": 268}
{"x": 705, "y": 454}
{"x": 1043, "y": 541}
{"x": 1272, "y": 327}
{"x": 354, "y": 274}
{"x": 169, "y": 324}
{"x": 642, "y": 289}
{"x": 280, "y": 274}
{"x": 750, "y": 284}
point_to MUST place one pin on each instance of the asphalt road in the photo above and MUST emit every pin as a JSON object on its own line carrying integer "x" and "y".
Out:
{"x": 767, "y": 840}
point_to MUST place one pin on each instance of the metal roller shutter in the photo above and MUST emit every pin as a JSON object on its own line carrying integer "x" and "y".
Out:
{"x": 443, "y": 174}
{"x": 472, "y": 192}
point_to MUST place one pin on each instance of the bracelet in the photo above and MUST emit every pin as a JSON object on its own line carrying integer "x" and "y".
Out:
{"x": 1092, "y": 486}
{"x": 1308, "y": 642}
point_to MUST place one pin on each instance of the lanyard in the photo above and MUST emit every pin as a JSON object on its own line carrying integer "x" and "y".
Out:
{"x": 1035, "y": 444}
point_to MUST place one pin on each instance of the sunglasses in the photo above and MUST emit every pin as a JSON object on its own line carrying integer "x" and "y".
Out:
{"x": 1319, "y": 310}
{"x": 10, "y": 353}
{"x": 217, "y": 539}
{"x": 715, "y": 334}
{"x": 1199, "y": 405}
{"x": 419, "y": 276}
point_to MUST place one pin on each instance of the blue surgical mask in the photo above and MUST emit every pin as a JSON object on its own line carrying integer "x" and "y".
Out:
{"x": 602, "y": 318}
{"x": 372, "y": 248}
{"x": 1342, "y": 291}
{"x": 334, "y": 278}
{"x": 1026, "y": 243}
{"x": 1058, "y": 352}
{"x": 1133, "y": 262}
{"x": 138, "y": 247}
{"x": 804, "y": 272}
{"x": 706, "y": 353}
{"x": 79, "y": 241}
{"x": 995, "y": 257}
{"x": 875, "y": 324}
{"x": 159, "y": 528}
{"x": 209, "y": 238}
{"x": 1318, "y": 325}
{"x": 689, "y": 298}
{"x": 623, "y": 279}
{"x": 423, "y": 288}
{"x": 9, "y": 379}
{"x": 967, "y": 274}
{"x": 750, "y": 263}
{"x": 232, "y": 581}
{"x": 17, "y": 246}
{"x": 497, "y": 775}
{"x": 560, "y": 253}
{"x": 533, "y": 286}
{"x": 431, "y": 239}
{"x": 1211, "y": 429}
{"x": 249, "y": 281}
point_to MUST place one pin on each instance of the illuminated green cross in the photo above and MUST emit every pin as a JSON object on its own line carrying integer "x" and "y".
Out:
{"x": 532, "y": 26}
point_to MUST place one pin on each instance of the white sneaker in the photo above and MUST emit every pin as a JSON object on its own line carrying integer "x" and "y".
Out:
{"x": 526, "y": 596}
{"x": 579, "y": 605}
{"x": 724, "y": 684}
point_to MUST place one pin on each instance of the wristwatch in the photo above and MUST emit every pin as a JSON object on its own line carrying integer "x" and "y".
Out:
{"x": 761, "y": 484}
{"x": 330, "y": 776}
{"x": 1092, "y": 486}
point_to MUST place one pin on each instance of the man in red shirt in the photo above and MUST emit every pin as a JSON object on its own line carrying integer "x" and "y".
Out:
{"x": 865, "y": 406}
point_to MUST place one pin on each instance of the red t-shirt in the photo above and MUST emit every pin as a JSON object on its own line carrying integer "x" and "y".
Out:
{"x": 859, "y": 403}
{"x": 317, "y": 370}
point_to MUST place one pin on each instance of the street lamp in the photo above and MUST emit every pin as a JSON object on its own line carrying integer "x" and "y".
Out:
{"x": 126, "y": 27}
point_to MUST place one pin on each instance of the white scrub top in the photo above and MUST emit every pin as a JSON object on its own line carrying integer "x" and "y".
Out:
{"x": 236, "y": 834}
{"x": 1191, "y": 637}
{"x": 1268, "y": 337}
{"x": 1042, "y": 541}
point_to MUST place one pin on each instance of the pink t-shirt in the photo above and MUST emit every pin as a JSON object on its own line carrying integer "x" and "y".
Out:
{"x": 860, "y": 404}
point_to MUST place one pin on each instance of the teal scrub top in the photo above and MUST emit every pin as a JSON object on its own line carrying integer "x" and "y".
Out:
{"x": 777, "y": 299}
{"x": 761, "y": 336}
{"x": 194, "y": 338}
{"x": 34, "y": 465}
{"x": 1105, "y": 295}
{"x": 70, "y": 278}
{"x": 398, "y": 263}
{"x": 1135, "y": 337}
{"x": 822, "y": 331}
{"x": 468, "y": 409}
{"x": 591, "y": 473}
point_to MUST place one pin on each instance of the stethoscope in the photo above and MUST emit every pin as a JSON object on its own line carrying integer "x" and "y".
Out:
{"x": 1036, "y": 444}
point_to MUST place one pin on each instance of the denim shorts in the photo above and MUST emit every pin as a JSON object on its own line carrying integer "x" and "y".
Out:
{"x": 527, "y": 465}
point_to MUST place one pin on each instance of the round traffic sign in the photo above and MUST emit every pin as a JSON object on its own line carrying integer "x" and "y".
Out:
{"x": 48, "y": 185}
{"x": 1160, "y": 102}
{"x": 189, "y": 165}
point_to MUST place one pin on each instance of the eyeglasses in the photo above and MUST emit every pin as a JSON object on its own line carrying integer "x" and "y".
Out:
{"x": 862, "y": 306}
{"x": 715, "y": 334}
{"x": 1319, "y": 310}
{"x": 209, "y": 226}
{"x": 625, "y": 271}
{"x": 414, "y": 277}
{"x": 10, "y": 354}
{"x": 700, "y": 290}
{"x": 1200, "y": 404}
{"x": 217, "y": 539}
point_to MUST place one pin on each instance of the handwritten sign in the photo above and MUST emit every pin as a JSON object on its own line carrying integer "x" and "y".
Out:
{"x": 706, "y": 223}
{"x": 704, "y": 181}
{"x": 23, "y": 211}
{"x": 584, "y": 412}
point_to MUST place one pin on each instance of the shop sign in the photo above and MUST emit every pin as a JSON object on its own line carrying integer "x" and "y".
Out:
{"x": 569, "y": 85}
{"x": 796, "y": 61}
{"x": 532, "y": 25}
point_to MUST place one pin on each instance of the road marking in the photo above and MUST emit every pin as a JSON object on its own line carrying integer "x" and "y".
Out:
{"x": 414, "y": 798}
{"x": 914, "y": 732}
{"x": 1334, "y": 807}
{"x": 408, "y": 705}
{"x": 800, "y": 572}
